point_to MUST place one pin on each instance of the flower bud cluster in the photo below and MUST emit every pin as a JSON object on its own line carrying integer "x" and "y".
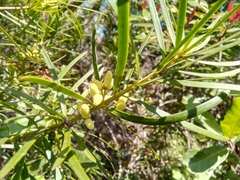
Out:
{"x": 96, "y": 88}
{"x": 98, "y": 93}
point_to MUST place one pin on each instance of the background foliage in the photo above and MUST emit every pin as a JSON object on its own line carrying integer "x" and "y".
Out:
{"x": 181, "y": 55}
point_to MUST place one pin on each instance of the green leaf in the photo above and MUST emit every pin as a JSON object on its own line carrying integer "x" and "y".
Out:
{"x": 64, "y": 150}
{"x": 167, "y": 18}
{"x": 17, "y": 171}
{"x": 76, "y": 166}
{"x": 135, "y": 62}
{"x": 190, "y": 35}
{"x": 197, "y": 84}
{"x": 230, "y": 175}
{"x": 94, "y": 55}
{"x": 16, "y": 158}
{"x": 181, "y": 20}
{"x": 207, "y": 160}
{"x": 231, "y": 122}
{"x": 83, "y": 78}
{"x": 181, "y": 116}
{"x": 70, "y": 65}
{"x": 123, "y": 41}
{"x": 90, "y": 155}
{"x": 55, "y": 86}
{"x": 85, "y": 161}
{"x": 30, "y": 98}
{"x": 209, "y": 122}
{"x": 114, "y": 6}
{"x": 157, "y": 26}
{"x": 3, "y": 140}
{"x": 212, "y": 75}
{"x": 55, "y": 77}
{"x": 199, "y": 130}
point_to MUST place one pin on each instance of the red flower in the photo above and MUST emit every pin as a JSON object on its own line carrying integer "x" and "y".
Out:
{"x": 234, "y": 17}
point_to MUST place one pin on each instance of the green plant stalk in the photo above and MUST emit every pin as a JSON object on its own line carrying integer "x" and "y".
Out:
{"x": 123, "y": 41}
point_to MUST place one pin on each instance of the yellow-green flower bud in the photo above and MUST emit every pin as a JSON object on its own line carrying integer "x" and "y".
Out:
{"x": 93, "y": 90}
{"x": 97, "y": 99}
{"x": 79, "y": 104}
{"x": 83, "y": 110}
{"x": 122, "y": 99}
{"x": 98, "y": 83}
{"x": 89, "y": 123}
{"x": 108, "y": 80}
{"x": 120, "y": 106}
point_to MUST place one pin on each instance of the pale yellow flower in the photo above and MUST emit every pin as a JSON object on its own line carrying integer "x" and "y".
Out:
{"x": 89, "y": 123}
{"x": 108, "y": 80}
{"x": 97, "y": 99}
{"x": 93, "y": 90}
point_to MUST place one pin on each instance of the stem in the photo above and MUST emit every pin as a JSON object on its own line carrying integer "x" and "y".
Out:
{"x": 14, "y": 8}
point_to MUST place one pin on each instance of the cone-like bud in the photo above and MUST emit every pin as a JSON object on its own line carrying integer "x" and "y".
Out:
{"x": 122, "y": 99}
{"x": 97, "y": 99}
{"x": 97, "y": 82}
{"x": 89, "y": 123}
{"x": 83, "y": 109}
{"x": 120, "y": 106}
{"x": 93, "y": 90}
{"x": 108, "y": 80}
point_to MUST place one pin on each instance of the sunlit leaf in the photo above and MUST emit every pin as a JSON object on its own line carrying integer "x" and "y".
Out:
{"x": 16, "y": 158}
{"x": 207, "y": 160}
{"x": 64, "y": 150}
{"x": 76, "y": 166}
{"x": 157, "y": 26}
{"x": 55, "y": 86}
{"x": 231, "y": 122}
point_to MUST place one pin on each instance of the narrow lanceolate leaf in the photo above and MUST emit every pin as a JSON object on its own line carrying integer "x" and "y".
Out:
{"x": 94, "y": 55}
{"x": 191, "y": 34}
{"x": 53, "y": 72}
{"x": 213, "y": 75}
{"x": 136, "y": 62}
{"x": 70, "y": 65}
{"x": 55, "y": 86}
{"x": 157, "y": 26}
{"x": 231, "y": 122}
{"x": 76, "y": 166}
{"x": 90, "y": 155}
{"x": 181, "y": 20}
{"x": 16, "y": 158}
{"x": 167, "y": 18}
{"x": 181, "y": 116}
{"x": 113, "y": 5}
{"x": 207, "y": 159}
{"x": 20, "y": 94}
{"x": 123, "y": 41}
{"x": 64, "y": 150}
{"x": 199, "y": 130}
